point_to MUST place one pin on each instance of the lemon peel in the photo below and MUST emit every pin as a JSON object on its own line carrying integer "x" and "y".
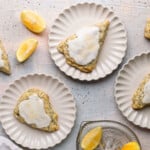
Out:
{"x": 33, "y": 21}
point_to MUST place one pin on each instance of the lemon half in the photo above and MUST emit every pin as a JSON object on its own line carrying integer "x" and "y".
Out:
{"x": 131, "y": 146}
{"x": 92, "y": 139}
{"x": 33, "y": 21}
{"x": 26, "y": 49}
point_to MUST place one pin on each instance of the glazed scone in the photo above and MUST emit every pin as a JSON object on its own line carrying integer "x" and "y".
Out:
{"x": 4, "y": 62}
{"x": 141, "y": 97}
{"x": 81, "y": 50}
{"x": 34, "y": 109}
{"x": 147, "y": 29}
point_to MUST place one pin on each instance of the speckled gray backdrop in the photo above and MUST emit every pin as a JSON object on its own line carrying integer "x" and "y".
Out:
{"x": 95, "y": 100}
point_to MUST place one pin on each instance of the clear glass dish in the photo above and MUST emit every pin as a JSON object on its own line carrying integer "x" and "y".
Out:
{"x": 115, "y": 134}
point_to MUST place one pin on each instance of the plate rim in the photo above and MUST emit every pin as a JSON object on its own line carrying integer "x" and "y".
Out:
{"x": 96, "y": 4}
{"x": 66, "y": 87}
{"x": 116, "y": 83}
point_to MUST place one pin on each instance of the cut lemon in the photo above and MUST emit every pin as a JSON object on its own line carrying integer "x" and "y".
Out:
{"x": 33, "y": 21}
{"x": 26, "y": 49}
{"x": 92, "y": 139}
{"x": 131, "y": 146}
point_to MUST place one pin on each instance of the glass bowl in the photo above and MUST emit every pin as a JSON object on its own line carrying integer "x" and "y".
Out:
{"x": 114, "y": 135}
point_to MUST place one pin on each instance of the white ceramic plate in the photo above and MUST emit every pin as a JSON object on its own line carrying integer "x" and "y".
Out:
{"x": 78, "y": 16}
{"x": 127, "y": 81}
{"x": 61, "y": 100}
{"x": 6, "y": 144}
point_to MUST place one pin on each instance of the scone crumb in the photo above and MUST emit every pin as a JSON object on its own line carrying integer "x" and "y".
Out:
{"x": 147, "y": 29}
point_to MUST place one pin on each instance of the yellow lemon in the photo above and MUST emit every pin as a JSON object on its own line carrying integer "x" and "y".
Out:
{"x": 26, "y": 49}
{"x": 91, "y": 140}
{"x": 131, "y": 146}
{"x": 33, "y": 21}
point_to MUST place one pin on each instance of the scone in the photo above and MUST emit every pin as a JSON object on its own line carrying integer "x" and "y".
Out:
{"x": 141, "y": 97}
{"x": 147, "y": 29}
{"x": 4, "y": 62}
{"x": 34, "y": 109}
{"x": 81, "y": 50}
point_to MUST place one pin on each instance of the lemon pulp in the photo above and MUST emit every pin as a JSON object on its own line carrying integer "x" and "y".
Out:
{"x": 131, "y": 146}
{"x": 26, "y": 49}
{"x": 92, "y": 139}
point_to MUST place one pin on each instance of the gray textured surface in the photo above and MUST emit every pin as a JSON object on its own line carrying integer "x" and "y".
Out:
{"x": 95, "y": 100}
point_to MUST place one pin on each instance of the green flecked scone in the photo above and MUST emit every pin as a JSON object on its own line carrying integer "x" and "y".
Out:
{"x": 4, "y": 58}
{"x": 53, "y": 126}
{"x": 63, "y": 48}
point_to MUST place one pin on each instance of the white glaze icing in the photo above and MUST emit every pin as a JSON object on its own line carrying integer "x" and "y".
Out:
{"x": 1, "y": 60}
{"x": 84, "y": 48}
{"x": 32, "y": 110}
{"x": 146, "y": 99}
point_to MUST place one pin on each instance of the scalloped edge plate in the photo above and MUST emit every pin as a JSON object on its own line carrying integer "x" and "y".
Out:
{"x": 61, "y": 100}
{"x": 78, "y": 16}
{"x": 4, "y": 142}
{"x": 127, "y": 81}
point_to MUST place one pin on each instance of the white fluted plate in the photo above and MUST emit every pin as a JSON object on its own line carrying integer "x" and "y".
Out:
{"x": 6, "y": 144}
{"x": 127, "y": 81}
{"x": 61, "y": 100}
{"x": 78, "y": 16}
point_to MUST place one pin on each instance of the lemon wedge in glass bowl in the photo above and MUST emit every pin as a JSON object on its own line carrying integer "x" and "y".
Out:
{"x": 92, "y": 139}
{"x": 33, "y": 21}
{"x": 114, "y": 135}
{"x": 26, "y": 49}
{"x": 131, "y": 146}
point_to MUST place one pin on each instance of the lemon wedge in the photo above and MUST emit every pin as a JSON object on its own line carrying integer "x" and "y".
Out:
{"x": 91, "y": 140}
{"x": 26, "y": 49}
{"x": 131, "y": 146}
{"x": 33, "y": 21}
